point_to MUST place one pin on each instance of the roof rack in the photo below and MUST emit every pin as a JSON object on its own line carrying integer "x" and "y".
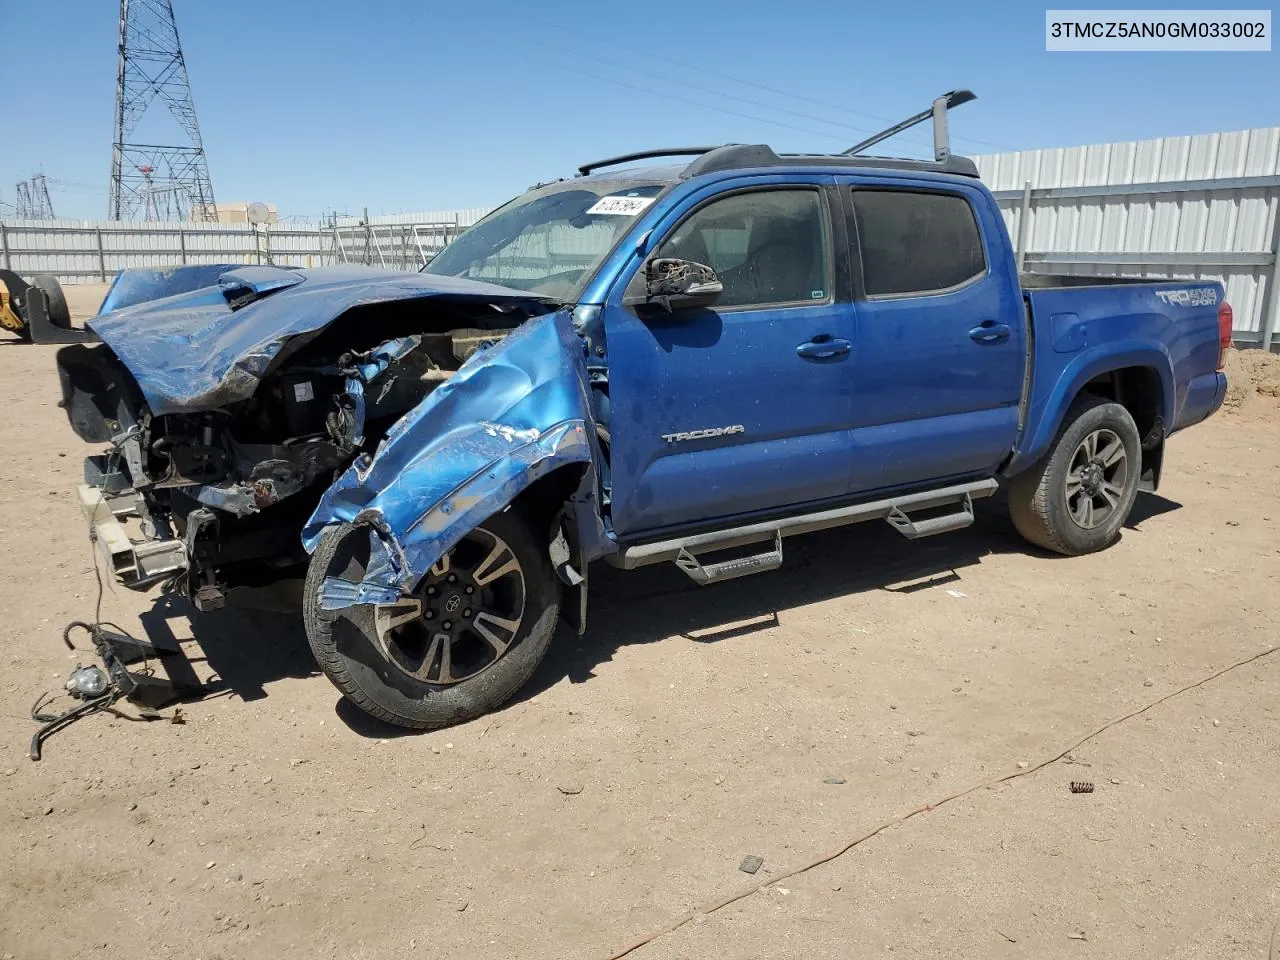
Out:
{"x": 753, "y": 156}
{"x": 938, "y": 111}
{"x": 643, "y": 155}
{"x": 731, "y": 156}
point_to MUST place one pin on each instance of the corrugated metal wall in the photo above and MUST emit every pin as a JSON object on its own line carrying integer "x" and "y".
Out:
{"x": 1199, "y": 207}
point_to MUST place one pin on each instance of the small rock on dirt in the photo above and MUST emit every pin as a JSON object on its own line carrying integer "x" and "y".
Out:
{"x": 461, "y": 905}
{"x": 751, "y": 863}
{"x": 48, "y": 810}
{"x": 1148, "y": 682}
{"x": 211, "y": 864}
{"x": 1022, "y": 764}
{"x": 569, "y": 789}
{"x": 835, "y": 781}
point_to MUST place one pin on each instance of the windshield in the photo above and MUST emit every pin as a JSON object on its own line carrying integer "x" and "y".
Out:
{"x": 550, "y": 240}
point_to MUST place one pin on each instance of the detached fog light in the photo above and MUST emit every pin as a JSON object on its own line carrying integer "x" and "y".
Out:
{"x": 87, "y": 682}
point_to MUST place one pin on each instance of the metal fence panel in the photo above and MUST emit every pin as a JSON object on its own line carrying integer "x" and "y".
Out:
{"x": 1196, "y": 207}
{"x": 88, "y": 250}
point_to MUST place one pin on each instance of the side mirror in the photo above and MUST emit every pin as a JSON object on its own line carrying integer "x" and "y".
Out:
{"x": 674, "y": 284}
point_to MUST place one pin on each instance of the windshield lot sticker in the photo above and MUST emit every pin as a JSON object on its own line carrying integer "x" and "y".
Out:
{"x": 620, "y": 206}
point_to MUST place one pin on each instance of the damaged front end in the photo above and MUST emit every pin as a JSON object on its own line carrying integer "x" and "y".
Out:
{"x": 228, "y": 411}
{"x": 500, "y": 427}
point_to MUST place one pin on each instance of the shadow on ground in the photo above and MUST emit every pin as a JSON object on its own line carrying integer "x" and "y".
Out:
{"x": 249, "y": 649}
{"x": 246, "y": 649}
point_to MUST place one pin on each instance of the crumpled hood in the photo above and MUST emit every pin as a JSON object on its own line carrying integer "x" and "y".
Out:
{"x": 191, "y": 351}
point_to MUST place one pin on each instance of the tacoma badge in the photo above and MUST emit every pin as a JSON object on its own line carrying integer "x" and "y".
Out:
{"x": 704, "y": 434}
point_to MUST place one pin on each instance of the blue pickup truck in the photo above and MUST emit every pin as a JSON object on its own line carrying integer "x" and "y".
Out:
{"x": 682, "y": 363}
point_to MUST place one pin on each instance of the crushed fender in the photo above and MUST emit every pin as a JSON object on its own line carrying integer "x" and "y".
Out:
{"x": 513, "y": 413}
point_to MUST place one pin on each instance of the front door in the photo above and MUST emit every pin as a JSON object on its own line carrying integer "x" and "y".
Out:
{"x": 744, "y": 406}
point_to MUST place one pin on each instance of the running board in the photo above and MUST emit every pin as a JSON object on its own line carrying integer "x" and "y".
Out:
{"x": 684, "y": 550}
{"x": 915, "y": 529}
{"x": 704, "y": 574}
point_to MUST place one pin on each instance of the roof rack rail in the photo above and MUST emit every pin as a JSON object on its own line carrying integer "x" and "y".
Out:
{"x": 938, "y": 111}
{"x": 643, "y": 155}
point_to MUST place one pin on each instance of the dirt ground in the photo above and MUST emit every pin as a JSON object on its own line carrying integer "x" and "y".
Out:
{"x": 780, "y": 716}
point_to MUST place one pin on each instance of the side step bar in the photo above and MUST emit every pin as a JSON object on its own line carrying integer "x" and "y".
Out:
{"x": 683, "y": 551}
{"x": 703, "y": 574}
{"x": 915, "y": 529}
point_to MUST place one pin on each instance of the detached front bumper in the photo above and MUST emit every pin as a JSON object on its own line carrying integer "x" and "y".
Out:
{"x": 137, "y": 561}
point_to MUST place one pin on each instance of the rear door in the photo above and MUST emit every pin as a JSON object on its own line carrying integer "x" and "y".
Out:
{"x": 745, "y": 406}
{"x": 940, "y": 347}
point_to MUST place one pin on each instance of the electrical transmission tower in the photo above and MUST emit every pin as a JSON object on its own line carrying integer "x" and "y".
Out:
{"x": 33, "y": 199}
{"x": 151, "y": 67}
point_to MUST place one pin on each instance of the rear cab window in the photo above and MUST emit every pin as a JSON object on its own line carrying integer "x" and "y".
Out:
{"x": 915, "y": 242}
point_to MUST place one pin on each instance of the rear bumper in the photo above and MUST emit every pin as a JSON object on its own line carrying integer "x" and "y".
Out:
{"x": 135, "y": 562}
{"x": 1205, "y": 394}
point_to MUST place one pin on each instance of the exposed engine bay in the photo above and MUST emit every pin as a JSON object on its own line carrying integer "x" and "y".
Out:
{"x": 222, "y": 494}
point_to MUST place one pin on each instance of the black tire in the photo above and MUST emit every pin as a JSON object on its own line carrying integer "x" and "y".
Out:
{"x": 348, "y": 649}
{"x": 1051, "y": 514}
{"x": 59, "y": 314}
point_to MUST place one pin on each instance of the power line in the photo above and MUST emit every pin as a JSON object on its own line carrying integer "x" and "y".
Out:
{"x": 728, "y": 96}
{"x": 75, "y": 186}
{"x": 696, "y": 103}
{"x": 649, "y": 53}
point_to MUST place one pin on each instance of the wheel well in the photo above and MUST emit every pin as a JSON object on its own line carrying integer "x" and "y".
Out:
{"x": 1138, "y": 390}
{"x": 542, "y": 500}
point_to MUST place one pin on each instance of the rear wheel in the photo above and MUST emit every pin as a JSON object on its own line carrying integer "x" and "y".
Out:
{"x": 475, "y": 629}
{"x": 1075, "y": 500}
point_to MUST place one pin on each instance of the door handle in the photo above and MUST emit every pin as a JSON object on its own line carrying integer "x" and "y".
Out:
{"x": 988, "y": 331}
{"x": 823, "y": 347}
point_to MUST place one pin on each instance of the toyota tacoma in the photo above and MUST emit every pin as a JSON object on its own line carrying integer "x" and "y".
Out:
{"x": 682, "y": 363}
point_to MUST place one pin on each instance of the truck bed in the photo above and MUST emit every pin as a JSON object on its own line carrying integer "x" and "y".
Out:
{"x": 1086, "y": 327}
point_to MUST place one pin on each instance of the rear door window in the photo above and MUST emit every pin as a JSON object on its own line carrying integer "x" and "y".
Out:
{"x": 915, "y": 243}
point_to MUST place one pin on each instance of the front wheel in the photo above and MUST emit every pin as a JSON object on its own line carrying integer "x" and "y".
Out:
{"x": 1075, "y": 500}
{"x": 472, "y": 633}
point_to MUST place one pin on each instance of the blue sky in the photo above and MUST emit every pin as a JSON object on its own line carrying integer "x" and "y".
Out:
{"x": 406, "y": 106}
